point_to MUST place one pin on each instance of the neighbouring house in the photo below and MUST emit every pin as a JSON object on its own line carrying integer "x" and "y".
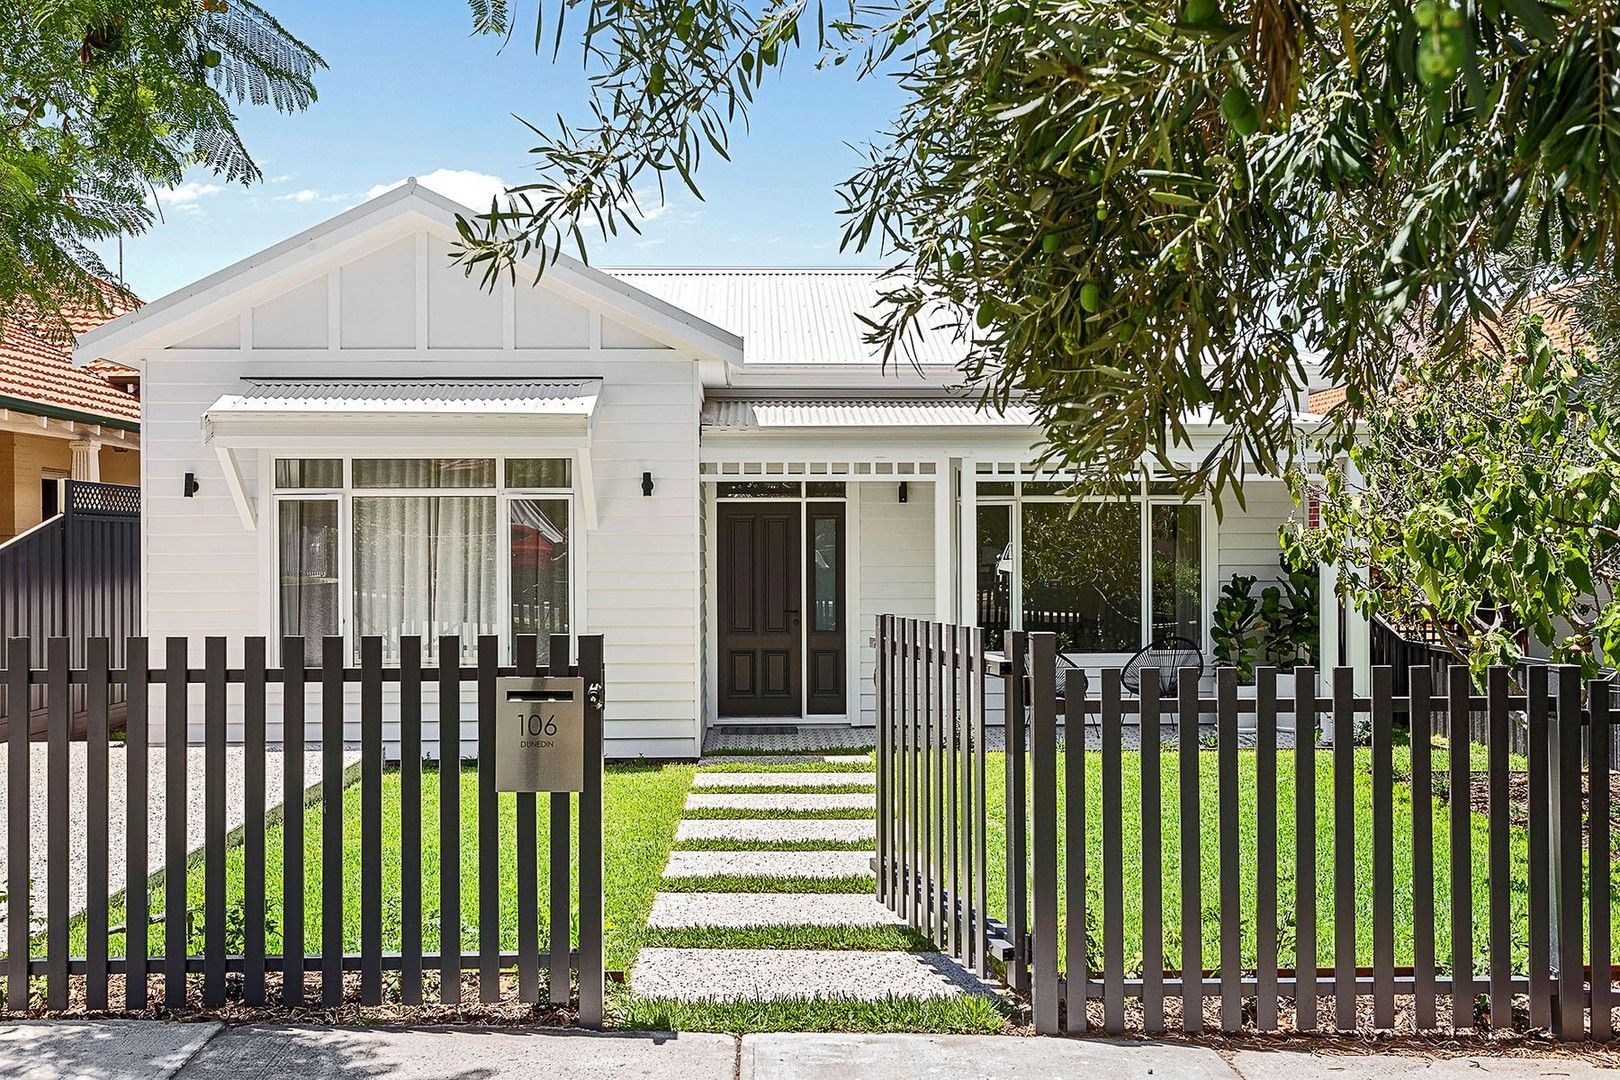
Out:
{"x": 707, "y": 466}
{"x": 60, "y": 421}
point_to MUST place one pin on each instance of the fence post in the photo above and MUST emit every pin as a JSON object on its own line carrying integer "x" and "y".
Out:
{"x": 590, "y": 837}
{"x": 1043, "y": 710}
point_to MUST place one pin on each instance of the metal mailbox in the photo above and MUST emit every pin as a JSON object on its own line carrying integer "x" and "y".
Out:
{"x": 540, "y": 733}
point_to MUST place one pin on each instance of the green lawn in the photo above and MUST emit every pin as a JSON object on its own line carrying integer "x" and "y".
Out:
{"x": 1211, "y": 899}
{"x": 641, "y": 806}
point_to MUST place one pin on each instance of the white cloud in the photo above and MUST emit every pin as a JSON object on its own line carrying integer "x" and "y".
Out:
{"x": 471, "y": 189}
{"x": 187, "y": 193}
{"x": 309, "y": 195}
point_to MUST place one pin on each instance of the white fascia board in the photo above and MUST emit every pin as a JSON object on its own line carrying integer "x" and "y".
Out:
{"x": 284, "y": 265}
{"x": 810, "y": 379}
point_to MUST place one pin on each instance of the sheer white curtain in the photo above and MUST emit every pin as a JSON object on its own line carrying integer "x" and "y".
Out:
{"x": 425, "y": 564}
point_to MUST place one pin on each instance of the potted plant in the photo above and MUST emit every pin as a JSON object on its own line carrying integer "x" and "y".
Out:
{"x": 1277, "y": 627}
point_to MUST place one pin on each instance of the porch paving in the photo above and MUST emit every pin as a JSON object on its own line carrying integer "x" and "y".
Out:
{"x": 788, "y": 738}
{"x": 862, "y": 760}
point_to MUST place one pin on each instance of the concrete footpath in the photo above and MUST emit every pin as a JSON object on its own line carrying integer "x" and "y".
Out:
{"x": 142, "y": 1050}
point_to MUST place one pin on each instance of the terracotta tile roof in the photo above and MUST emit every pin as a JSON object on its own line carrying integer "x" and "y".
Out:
{"x": 37, "y": 369}
{"x": 1323, "y": 402}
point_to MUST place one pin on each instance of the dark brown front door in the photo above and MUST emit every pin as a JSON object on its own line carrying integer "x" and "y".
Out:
{"x": 759, "y": 594}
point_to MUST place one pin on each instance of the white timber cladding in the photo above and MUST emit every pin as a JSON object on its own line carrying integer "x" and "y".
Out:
{"x": 638, "y": 570}
{"x": 694, "y": 378}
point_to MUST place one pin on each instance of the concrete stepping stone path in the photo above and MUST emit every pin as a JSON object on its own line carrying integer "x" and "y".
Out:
{"x": 776, "y": 864}
{"x": 720, "y": 973}
{"x": 767, "y": 975}
{"x": 671, "y": 910}
{"x": 784, "y": 779}
{"x": 779, "y": 830}
{"x": 861, "y": 760}
{"x": 785, "y": 801}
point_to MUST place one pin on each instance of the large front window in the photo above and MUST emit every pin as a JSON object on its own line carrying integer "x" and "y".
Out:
{"x": 1104, "y": 575}
{"x": 435, "y": 546}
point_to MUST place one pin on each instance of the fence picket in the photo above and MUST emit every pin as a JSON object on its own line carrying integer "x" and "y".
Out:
{"x": 1420, "y": 724}
{"x": 1077, "y": 962}
{"x": 1044, "y": 887}
{"x": 410, "y": 819}
{"x": 936, "y": 762}
{"x": 1192, "y": 905}
{"x": 1017, "y": 812}
{"x": 371, "y": 820}
{"x": 1383, "y": 847}
{"x": 1344, "y": 850}
{"x": 559, "y": 831}
{"x": 889, "y": 821}
{"x": 1305, "y": 1004}
{"x": 136, "y": 903}
{"x": 1152, "y": 856}
{"x": 450, "y": 943}
{"x": 1462, "y": 912}
{"x": 1600, "y": 860}
{"x": 253, "y": 834}
{"x": 951, "y": 896}
{"x": 213, "y": 994}
{"x": 18, "y": 826}
{"x": 97, "y": 663}
{"x": 1113, "y": 855}
{"x": 1265, "y": 862}
{"x": 489, "y": 827}
{"x": 910, "y": 876}
{"x": 56, "y": 824}
{"x": 967, "y": 658}
{"x": 1500, "y": 884}
{"x": 1539, "y": 926}
{"x": 526, "y": 657}
{"x": 881, "y": 687}
{"x": 293, "y": 710}
{"x": 981, "y": 857}
{"x": 175, "y": 916}
{"x": 1571, "y": 1004}
{"x": 1226, "y": 779}
{"x": 332, "y": 649}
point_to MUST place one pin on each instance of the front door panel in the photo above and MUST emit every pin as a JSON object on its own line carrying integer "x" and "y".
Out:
{"x": 759, "y": 589}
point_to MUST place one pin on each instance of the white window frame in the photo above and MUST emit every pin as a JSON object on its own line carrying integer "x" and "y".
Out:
{"x": 1144, "y": 498}
{"x": 345, "y": 495}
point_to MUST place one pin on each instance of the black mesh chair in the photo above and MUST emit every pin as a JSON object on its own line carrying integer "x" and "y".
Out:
{"x": 1166, "y": 655}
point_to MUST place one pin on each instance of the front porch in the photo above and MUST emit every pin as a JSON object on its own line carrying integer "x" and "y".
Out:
{"x": 805, "y": 546}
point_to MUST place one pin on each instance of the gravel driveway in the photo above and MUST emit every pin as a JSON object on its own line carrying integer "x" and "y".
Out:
{"x": 117, "y": 761}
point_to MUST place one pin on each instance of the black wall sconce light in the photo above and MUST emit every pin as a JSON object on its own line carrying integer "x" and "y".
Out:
{"x": 904, "y": 492}
{"x": 191, "y": 486}
{"x": 646, "y": 483}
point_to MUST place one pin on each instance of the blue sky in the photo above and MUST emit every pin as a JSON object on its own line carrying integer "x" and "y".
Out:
{"x": 410, "y": 93}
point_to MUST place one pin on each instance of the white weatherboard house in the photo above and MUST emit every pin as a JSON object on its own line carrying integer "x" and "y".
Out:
{"x": 708, "y": 467}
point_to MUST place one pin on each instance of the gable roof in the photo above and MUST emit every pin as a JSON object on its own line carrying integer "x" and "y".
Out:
{"x": 37, "y": 371}
{"x": 792, "y": 315}
{"x": 195, "y": 302}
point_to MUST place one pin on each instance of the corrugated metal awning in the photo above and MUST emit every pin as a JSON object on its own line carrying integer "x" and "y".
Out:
{"x": 745, "y": 414}
{"x": 399, "y": 417}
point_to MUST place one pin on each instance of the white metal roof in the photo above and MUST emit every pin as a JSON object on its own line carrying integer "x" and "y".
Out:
{"x": 744, "y": 414}
{"x": 793, "y": 316}
{"x": 556, "y": 397}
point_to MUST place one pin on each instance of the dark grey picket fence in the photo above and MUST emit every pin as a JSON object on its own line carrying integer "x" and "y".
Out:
{"x": 936, "y": 822}
{"x": 173, "y": 956}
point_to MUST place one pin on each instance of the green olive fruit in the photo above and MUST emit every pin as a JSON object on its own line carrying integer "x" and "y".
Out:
{"x": 1200, "y": 12}
{"x": 1091, "y": 297}
{"x": 655, "y": 80}
{"x": 1451, "y": 19}
{"x": 986, "y": 314}
{"x": 1238, "y": 108}
{"x": 1102, "y": 210}
{"x": 957, "y": 261}
{"x": 1127, "y": 329}
{"x": 211, "y": 58}
{"x": 1424, "y": 13}
{"x": 1094, "y": 176}
{"x": 1051, "y": 242}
